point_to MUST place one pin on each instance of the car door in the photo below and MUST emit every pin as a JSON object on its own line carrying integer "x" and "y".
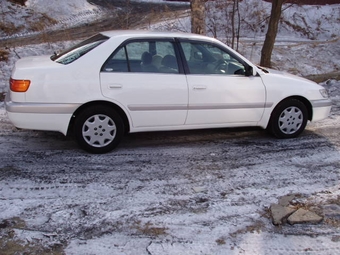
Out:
{"x": 143, "y": 77}
{"x": 220, "y": 92}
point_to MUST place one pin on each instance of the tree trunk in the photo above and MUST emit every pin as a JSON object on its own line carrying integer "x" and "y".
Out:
{"x": 197, "y": 16}
{"x": 233, "y": 24}
{"x": 268, "y": 45}
{"x": 238, "y": 26}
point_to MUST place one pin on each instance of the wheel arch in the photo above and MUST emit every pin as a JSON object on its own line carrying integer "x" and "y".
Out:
{"x": 291, "y": 126}
{"x": 304, "y": 100}
{"x": 118, "y": 109}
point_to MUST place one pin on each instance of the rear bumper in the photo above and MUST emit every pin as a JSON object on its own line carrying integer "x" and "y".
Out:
{"x": 40, "y": 116}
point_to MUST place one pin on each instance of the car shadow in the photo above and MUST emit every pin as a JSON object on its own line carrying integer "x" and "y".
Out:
{"x": 53, "y": 141}
{"x": 189, "y": 137}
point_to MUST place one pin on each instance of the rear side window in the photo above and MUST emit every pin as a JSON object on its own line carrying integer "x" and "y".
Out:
{"x": 144, "y": 56}
{"x": 80, "y": 49}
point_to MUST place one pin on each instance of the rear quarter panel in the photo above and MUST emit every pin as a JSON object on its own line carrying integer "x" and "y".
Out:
{"x": 77, "y": 82}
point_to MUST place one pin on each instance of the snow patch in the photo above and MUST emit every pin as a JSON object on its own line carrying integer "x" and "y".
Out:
{"x": 59, "y": 10}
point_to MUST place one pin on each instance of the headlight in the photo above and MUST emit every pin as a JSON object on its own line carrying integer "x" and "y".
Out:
{"x": 324, "y": 93}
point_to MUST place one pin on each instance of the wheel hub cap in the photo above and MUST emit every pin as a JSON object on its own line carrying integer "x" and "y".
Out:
{"x": 290, "y": 120}
{"x": 99, "y": 130}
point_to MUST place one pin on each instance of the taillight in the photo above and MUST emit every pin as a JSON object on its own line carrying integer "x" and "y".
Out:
{"x": 19, "y": 85}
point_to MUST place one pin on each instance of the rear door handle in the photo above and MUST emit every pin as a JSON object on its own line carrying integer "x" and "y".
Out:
{"x": 115, "y": 86}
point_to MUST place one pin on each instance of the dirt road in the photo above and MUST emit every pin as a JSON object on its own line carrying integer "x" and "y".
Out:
{"x": 192, "y": 192}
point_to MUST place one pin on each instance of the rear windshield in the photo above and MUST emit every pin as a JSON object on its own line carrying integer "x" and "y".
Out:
{"x": 80, "y": 49}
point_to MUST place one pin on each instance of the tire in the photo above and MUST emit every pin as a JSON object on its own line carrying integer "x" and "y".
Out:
{"x": 98, "y": 129}
{"x": 288, "y": 119}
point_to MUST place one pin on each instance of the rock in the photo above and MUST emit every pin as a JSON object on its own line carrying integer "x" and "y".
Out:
{"x": 304, "y": 216}
{"x": 285, "y": 200}
{"x": 280, "y": 213}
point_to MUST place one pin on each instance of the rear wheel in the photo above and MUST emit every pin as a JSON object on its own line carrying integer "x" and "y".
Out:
{"x": 98, "y": 129}
{"x": 288, "y": 119}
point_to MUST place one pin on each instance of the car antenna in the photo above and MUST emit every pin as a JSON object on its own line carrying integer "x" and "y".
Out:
{"x": 15, "y": 52}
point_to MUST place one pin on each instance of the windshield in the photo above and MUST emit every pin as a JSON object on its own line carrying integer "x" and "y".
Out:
{"x": 80, "y": 49}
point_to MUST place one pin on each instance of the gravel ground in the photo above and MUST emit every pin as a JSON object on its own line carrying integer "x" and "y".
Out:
{"x": 185, "y": 192}
{"x": 190, "y": 192}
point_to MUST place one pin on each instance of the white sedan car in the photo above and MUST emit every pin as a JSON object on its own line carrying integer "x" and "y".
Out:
{"x": 134, "y": 81}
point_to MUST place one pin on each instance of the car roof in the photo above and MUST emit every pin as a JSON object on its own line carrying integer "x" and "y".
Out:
{"x": 154, "y": 34}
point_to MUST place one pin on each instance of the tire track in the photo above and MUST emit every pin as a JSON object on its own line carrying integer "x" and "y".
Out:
{"x": 198, "y": 188}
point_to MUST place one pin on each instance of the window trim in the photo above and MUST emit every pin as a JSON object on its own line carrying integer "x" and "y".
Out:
{"x": 185, "y": 62}
{"x": 176, "y": 45}
{"x": 97, "y": 40}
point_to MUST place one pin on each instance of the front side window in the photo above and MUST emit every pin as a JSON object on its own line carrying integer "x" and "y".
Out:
{"x": 75, "y": 52}
{"x": 143, "y": 56}
{"x": 205, "y": 58}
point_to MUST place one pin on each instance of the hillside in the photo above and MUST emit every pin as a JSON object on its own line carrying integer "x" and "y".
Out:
{"x": 36, "y": 15}
{"x": 307, "y": 42}
{"x": 311, "y": 2}
{"x": 308, "y": 21}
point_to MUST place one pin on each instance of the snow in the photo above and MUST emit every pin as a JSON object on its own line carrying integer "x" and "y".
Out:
{"x": 203, "y": 192}
{"x": 312, "y": 49}
{"x": 59, "y": 10}
{"x": 20, "y": 20}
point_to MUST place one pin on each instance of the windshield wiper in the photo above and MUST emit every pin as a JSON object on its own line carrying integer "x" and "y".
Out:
{"x": 54, "y": 56}
{"x": 263, "y": 69}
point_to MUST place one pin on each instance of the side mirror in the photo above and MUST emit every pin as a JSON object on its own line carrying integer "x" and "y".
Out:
{"x": 240, "y": 72}
{"x": 250, "y": 71}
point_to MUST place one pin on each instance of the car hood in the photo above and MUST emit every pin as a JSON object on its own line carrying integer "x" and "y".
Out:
{"x": 282, "y": 74}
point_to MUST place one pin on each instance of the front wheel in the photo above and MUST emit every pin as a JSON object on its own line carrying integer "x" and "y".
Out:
{"x": 98, "y": 129}
{"x": 288, "y": 119}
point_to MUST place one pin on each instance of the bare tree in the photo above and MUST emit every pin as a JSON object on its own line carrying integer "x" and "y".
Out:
{"x": 224, "y": 19}
{"x": 217, "y": 15}
{"x": 273, "y": 25}
{"x": 235, "y": 31}
{"x": 197, "y": 16}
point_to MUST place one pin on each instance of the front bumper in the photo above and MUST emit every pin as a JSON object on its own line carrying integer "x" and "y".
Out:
{"x": 321, "y": 109}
